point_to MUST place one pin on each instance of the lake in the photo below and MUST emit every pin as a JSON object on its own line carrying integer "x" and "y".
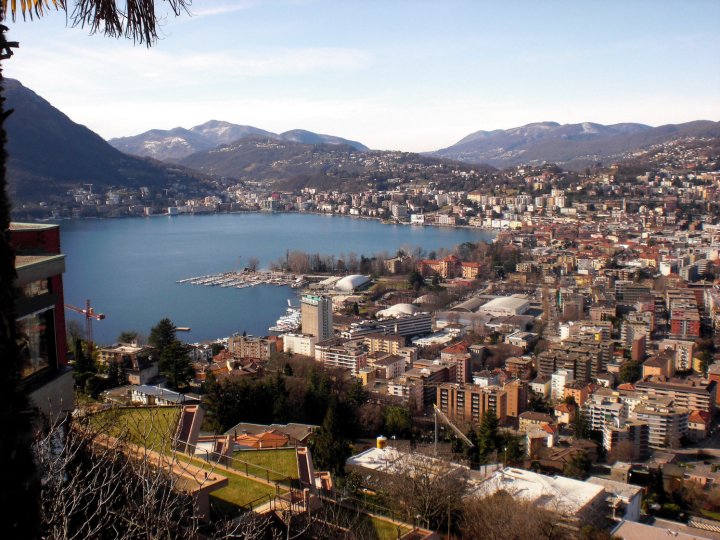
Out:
{"x": 128, "y": 267}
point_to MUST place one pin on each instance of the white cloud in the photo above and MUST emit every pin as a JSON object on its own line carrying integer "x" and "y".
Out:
{"x": 220, "y": 8}
{"x": 103, "y": 69}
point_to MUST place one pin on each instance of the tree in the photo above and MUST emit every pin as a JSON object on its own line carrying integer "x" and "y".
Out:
{"x": 705, "y": 361}
{"x": 94, "y": 385}
{"x": 279, "y": 395}
{"x": 630, "y": 372}
{"x": 488, "y": 436}
{"x": 127, "y": 336}
{"x": 580, "y": 424}
{"x": 370, "y": 418}
{"x": 578, "y": 466}
{"x": 431, "y": 489}
{"x": 329, "y": 447}
{"x": 538, "y": 403}
{"x": 512, "y": 448}
{"x": 253, "y": 264}
{"x": 175, "y": 364}
{"x": 622, "y": 451}
{"x": 397, "y": 420}
{"x": 357, "y": 394}
{"x": 212, "y": 403}
{"x": 83, "y": 364}
{"x": 415, "y": 280}
{"x": 74, "y": 331}
{"x": 502, "y": 515}
{"x": 84, "y": 367}
{"x": 162, "y": 335}
{"x": 115, "y": 375}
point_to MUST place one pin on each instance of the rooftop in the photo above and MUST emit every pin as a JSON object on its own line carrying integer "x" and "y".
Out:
{"x": 619, "y": 489}
{"x": 27, "y": 261}
{"x": 509, "y": 302}
{"x": 631, "y": 530}
{"x": 14, "y": 226}
{"x": 553, "y": 492}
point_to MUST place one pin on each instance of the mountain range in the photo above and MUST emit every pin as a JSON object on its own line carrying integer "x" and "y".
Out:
{"x": 48, "y": 153}
{"x": 178, "y": 143}
{"x": 570, "y": 145}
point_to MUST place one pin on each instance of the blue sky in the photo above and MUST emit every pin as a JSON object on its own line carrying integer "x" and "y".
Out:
{"x": 393, "y": 74}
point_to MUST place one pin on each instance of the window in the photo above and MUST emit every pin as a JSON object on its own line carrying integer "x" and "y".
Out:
{"x": 36, "y": 334}
{"x": 34, "y": 288}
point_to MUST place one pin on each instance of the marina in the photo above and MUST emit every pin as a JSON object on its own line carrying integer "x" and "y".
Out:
{"x": 244, "y": 279}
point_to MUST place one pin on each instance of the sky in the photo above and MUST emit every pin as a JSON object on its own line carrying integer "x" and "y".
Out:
{"x": 392, "y": 74}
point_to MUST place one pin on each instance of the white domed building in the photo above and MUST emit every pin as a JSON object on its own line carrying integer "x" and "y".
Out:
{"x": 351, "y": 283}
{"x": 398, "y": 310}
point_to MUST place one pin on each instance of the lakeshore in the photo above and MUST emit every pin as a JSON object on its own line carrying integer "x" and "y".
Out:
{"x": 383, "y": 221}
{"x": 129, "y": 267}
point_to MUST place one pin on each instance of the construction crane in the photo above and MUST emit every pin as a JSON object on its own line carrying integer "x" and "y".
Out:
{"x": 89, "y": 313}
{"x": 447, "y": 421}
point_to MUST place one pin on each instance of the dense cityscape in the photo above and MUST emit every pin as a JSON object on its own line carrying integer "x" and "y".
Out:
{"x": 576, "y": 353}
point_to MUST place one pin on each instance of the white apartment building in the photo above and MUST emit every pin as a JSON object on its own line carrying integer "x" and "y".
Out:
{"x": 558, "y": 381}
{"x": 299, "y": 344}
{"x": 667, "y": 424}
{"x": 601, "y": 410}
{"x": 337, "y": 352}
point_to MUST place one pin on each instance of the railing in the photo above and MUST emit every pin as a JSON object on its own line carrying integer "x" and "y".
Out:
{"x": 704, "y": 524}
{"x": 258, "y": 502}
{"x": 362, "y": 505}
{"x": 251, "y": 469}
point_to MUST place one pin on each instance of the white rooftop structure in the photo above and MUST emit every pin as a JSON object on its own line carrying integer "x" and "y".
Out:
{"x": 438, "y": 338}
{"x": 350, "y": 283}
{"x": 554, "y": 493}
{"x": 398, "y": 310}
{"x": 516, "y": 304}
{"x": 389, "y": 460}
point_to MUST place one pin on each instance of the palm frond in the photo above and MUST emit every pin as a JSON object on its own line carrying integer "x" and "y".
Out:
{"x": 137, "y": 21}
{"x": 133, "y": 19}
{"x": 28, "y": 8}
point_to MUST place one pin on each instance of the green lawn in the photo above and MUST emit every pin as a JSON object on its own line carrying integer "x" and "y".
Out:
{"x": 711, "y": 515}
{"x": 282, "y": 462}
{"x": 365, "y": 525}
{"x": 386, "y": 530}
{"x": 240, "y": 490}
{"x": 151, "y": 427}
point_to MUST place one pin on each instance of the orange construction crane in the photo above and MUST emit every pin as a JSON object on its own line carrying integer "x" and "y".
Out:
{"x": 89, "y": 314}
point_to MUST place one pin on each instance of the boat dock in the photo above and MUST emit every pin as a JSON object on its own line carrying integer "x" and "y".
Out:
{"x": 241, "y": 280}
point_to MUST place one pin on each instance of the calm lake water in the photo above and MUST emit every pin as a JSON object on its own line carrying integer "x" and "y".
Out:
{"x": 128, "y": 267}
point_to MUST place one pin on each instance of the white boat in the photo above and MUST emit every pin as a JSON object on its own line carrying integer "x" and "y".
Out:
{"x": 288, "y": 322}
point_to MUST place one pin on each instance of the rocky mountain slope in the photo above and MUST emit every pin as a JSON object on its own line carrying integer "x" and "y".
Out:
{"x": 570, "y": 145}
{"x": 48, "y": 153}
{"x": 178, "y": 143}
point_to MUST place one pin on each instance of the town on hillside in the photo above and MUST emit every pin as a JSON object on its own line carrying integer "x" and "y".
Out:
{"x": 565, "y": 372}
